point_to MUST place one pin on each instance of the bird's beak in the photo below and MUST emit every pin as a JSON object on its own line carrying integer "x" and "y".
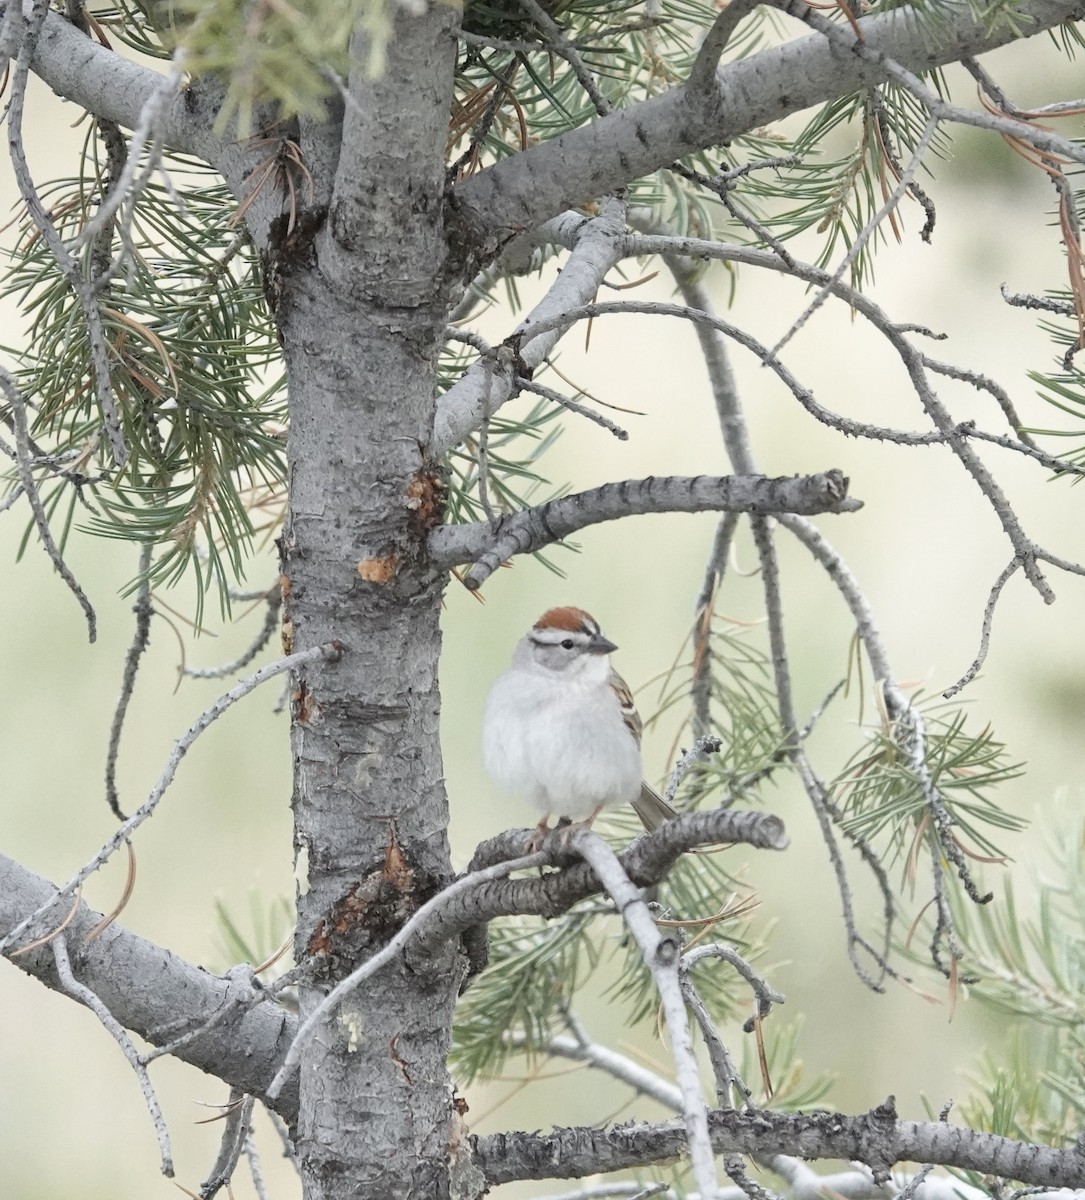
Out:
{"x": 600, "y": 645}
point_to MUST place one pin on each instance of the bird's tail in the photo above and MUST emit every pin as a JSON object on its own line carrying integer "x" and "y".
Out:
{"x": 652, "y": 809}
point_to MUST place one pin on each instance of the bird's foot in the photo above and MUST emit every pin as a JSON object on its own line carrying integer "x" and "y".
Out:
{"x": 569, "y": 828}
{"x": 538, "y": 835}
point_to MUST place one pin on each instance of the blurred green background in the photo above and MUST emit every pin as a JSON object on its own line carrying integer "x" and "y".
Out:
{"x": 926, "y": 548}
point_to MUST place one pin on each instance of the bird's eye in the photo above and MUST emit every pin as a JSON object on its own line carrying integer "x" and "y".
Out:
{"x": 568, "y": 644}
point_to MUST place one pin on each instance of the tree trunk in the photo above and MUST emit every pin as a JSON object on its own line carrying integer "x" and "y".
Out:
{"x": 361, "y": 298}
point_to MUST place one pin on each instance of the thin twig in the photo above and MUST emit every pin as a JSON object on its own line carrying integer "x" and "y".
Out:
{"x": 144, "y": 611}
{"x": 985, "y": 630}
{"x": 736, "y": 1170}
{"x": 954, "y": 435}
{"x": 938, "y": 109}
{"x": 127, "y": 187}
{"x": 234, "y": 1136}
{"x": 26, "y": 479}
{"x": 253, "y": 1159}
{"x": 581, "y": 1048}
{"x": 243, "y": 992}
{"x": 330, "y": 652}
{"x": 866, "y": 233}
{"x": 531, "y": 385}
{"x": 702, "y": 76}
{"x": 728, "y": 1080}
{"x": 503, "y": 358}
{"x": 70, "y": 268}
{"x": 699, "y": 752}
{"x": 561, "y": 45}
{"x": 274, "y": 599}
{"x": 84, "y": 995}
{"x": 701, "y": 685}
{"x": 765, "y": 995}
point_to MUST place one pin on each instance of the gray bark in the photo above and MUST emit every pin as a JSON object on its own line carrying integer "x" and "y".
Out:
{"x": 362, "y": 307}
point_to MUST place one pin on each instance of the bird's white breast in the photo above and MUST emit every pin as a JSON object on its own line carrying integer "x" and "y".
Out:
{"x": 560, "y": 742}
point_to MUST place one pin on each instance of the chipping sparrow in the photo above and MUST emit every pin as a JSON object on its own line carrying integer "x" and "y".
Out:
{"x": 560, "y": 727}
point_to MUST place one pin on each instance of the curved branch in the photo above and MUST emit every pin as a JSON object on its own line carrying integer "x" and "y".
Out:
{"x": 954, "y": 435}
{"x": 155, "y": 993}
{"x": 876, "y": 1138}
{"x": 524, "y": 532}
{"x": 331, "y": 652}
{"x": 593, "y": 160}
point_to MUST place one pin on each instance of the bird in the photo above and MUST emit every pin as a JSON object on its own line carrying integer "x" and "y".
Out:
{"x": 560, "y": 728}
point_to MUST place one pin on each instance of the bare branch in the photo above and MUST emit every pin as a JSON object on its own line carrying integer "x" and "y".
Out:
{"x": 729, "y": 1083}
{"x": 235, "y": 1134}
{"x": 529, "y": 530}
{"x": 765, "y": 995}
{"x": 985, "y": 630}
{"x": 127, "y": 185}
{"x": 700, "y": 686}
{"x": 699, "y": 752}
{"x": 646, "y": 861}
{"x": 702, "y": 74}
{"x": 953, "y": 434}
{"x": 594, "y": 160}
{"x": 29, "y": 487}
{"x": 838, "y": 571}
{"x": 539, "y": 389}
{"x": 890, "y": 65}
{"x": 602, "y": 1058}
{"x": 255, "y": 1173}
{"x": 876, "y": 1137}
{"x": 866, "y": 233}
{"x": 596, "y": 250}
{"x": 503, "y": 358}
{"x": 69, "y": 267}
{"x": 274, "y": 602}
{"x": 107, "y": 84}
{"x": 410, "y": 930}
{"x": 557, "y": 40}
{"x": 1043, "y": 303}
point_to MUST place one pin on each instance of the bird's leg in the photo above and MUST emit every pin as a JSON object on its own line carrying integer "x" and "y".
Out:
{"x": 573, "y": 826}
{"x": 534, "y": 842}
